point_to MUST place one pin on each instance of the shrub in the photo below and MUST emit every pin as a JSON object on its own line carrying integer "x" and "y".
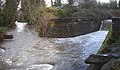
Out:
{"x": 65, "y": 11}
{"x": 8, "y": 12}
{"x": 36, "y": 14}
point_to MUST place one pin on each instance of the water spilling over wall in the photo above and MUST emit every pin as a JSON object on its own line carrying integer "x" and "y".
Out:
{"x": 105, "y": 24}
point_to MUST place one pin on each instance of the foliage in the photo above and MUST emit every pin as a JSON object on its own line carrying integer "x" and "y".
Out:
{"x": 83, "y": 13}
{"x": 93, "y": 13}
{"x": 8, "y": 12}
{"x": 116, "y": 13}
{"x": 103, "y": 5}
{"x": 4, "y": 29}
{"x": 90, "y": 4}
{"x": 90, "y": 8}
{"x": 65, "y": 11}
{"x": 55, "y": 3}
{"x": 119, "y": 4}
{"x": 113, "y": 4}
{"x": 102, "y": 14}
{"x": 52, "y": 24}
{"x": 36, "y": 14}
{"x": 54, "y": 10}
{"x": 70, "y": 2}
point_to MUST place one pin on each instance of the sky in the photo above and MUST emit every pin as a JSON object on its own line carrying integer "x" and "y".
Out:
{"x": 103, "y": 1}
{"x": 48, "y": 2}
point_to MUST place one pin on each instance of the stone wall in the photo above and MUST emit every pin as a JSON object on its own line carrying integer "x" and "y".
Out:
{"x": 70, "y": 27}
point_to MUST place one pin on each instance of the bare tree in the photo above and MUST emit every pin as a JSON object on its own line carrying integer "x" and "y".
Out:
{"x": 57, "y": 3}
{"x": 52, "y": 3}
{"x": 37, "y": 14}
{"x": 71, "y": 2}
{"x": 8, "y": 12}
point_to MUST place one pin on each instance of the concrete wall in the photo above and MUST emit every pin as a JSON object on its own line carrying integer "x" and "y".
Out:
{"x": 70, "y": 27}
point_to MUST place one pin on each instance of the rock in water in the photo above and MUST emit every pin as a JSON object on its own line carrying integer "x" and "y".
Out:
{"x": 98, "y": 59}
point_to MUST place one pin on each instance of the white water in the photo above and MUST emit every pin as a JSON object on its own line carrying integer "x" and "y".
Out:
{"x": 29, "y": 52}
{"x": 106, "y": 24}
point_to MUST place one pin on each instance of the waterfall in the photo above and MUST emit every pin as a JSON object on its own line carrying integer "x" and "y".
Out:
{"x": 105, "y": 25}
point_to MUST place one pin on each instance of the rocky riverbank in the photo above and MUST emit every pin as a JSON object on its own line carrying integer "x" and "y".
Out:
{"x": 108, "y": 57}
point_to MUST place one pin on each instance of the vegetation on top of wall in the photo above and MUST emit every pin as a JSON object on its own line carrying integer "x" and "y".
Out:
{"x": 86, "y": 9}
{"x": 84, "y": 13}
{"x": 65, "y": 11}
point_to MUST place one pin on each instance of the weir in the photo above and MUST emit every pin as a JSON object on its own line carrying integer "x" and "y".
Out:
{"x": 71, "y": 27}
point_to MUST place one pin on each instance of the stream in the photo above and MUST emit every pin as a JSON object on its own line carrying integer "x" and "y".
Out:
{"x": 27, "y": 51}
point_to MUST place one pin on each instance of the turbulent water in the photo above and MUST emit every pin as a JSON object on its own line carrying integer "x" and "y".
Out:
{"x": 29, "y": 52}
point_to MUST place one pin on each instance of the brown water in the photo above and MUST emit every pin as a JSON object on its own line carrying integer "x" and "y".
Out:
{"x": 29, "y": 52}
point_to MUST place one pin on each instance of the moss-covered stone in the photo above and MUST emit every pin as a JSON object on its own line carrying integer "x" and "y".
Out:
{"x": 105, "y": 41}
{"x": 93, "y": 67}
{"x": 4, "y": 29}
{"x": 117, "y": 66}
{"x": 109, "y": 65}
{"x": 52, "y": 24}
